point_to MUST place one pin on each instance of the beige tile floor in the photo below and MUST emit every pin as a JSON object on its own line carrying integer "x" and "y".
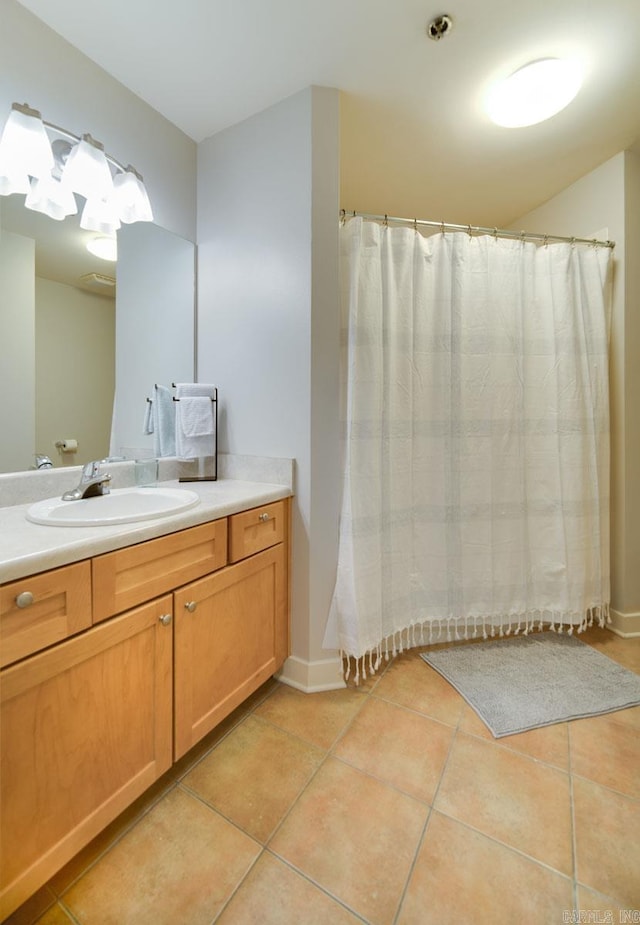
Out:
{"x": 390, "y": 804}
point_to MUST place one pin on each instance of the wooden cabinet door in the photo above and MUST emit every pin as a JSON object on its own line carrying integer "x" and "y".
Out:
{"x": 85, "y": 728}
{"x": 231, "y": 634}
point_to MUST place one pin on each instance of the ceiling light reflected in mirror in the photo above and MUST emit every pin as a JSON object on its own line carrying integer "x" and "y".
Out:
{"x": 106, "y": 248}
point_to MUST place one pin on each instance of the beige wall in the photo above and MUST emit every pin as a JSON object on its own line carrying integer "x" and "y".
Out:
{"x": 75, "y": 371}
{"x": 17, "y": 358}
{"x": 632, "y": 382}
{"x": 607, "y": 198}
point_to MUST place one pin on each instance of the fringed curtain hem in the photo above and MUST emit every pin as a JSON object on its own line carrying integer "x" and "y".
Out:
{"x": 451, "y": 629}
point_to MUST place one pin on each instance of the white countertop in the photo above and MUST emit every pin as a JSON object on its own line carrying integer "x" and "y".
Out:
{"x": 27, "y": 548}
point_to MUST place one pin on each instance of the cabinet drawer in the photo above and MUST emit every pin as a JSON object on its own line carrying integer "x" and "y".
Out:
{"x": 139, "y": 573}
{"x": 56, "y": 604}
{"x": 257, "y": 529}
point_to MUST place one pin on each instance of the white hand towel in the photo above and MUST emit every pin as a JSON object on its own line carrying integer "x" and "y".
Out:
{"x": 196, "y": 417}
{"x": 195, "y": 420}
{"x": 164, "y": 422}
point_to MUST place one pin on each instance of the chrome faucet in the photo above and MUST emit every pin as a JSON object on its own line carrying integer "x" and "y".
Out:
{"x": 93, "y": 482}
{"x": 43, "y": 462}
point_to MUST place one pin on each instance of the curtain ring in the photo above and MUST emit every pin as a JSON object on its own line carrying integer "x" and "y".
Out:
{"x": 495, "y": 234}
{"x": 546, "y": 240}
{"x": 573, "y": 242}
{"x": 522, "y": 234}
{"x": 469, "y": 230}
{"x": 442, "y": 227}
{"x": 386, "y": 223}
{"x": 415, "y": 224}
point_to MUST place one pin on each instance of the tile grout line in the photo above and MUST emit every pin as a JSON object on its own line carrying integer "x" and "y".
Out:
{"x": 323, "y": 889}
{"x": 574, "y": 834}
{"x": 428, "y": 819}
{"x": 496, "y": 841}
{"x": 493, "y": 838}
{"x": 264, "y": 848}
{"x": 69, "y": 913}
{"x": 328, "y": 754}
{"x": 238, "y": 886}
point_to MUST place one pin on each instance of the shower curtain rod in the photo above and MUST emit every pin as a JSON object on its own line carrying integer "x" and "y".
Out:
{"x": 476, "y": 229}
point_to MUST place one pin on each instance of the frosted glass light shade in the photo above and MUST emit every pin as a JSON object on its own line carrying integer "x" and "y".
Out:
{"x": 100, "y": 215}
{"x": 52, "y": 198}
{"x": 87, "y": 171}
{"x": 131, "y": 197}
{"x": 24, "y": 146}
{"x": 13, "y": 183}
{"x": 534, "y": 93}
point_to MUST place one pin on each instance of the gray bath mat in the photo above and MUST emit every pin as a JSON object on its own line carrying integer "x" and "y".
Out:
{"x": 524, "y": 682}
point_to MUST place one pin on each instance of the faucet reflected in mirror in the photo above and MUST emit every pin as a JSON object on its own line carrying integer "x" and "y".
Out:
{"x": 66, "y": 369}
{"x": 43, "y": 462}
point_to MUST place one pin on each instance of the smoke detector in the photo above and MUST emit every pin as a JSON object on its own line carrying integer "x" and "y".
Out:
{"x": 439, "y": 27}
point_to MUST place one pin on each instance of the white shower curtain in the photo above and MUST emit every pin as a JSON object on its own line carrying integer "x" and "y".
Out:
{"x": 476, "y": 439}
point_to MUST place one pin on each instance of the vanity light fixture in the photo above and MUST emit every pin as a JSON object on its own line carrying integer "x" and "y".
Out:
{"x": 25, "y": 147}
{"x": 86, "y": 171}
{"x": 534, "y": 92}
{"x": 50, "y": 173}
{"x": 131, "y": 197}
{"x": 104, "y": 247}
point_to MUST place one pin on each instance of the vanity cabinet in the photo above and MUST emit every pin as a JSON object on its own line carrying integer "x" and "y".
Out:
{"x": 160, "y": 641}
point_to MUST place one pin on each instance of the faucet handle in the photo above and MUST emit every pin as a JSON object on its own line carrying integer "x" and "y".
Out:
{"x": 90, "y": 470}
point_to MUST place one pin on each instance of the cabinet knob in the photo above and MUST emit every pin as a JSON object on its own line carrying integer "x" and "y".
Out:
{"x": 25, "y": 599}
{"x": 165, "y": 619}
{"x": 263, "y": 517}
{"x": 191, "y": 606}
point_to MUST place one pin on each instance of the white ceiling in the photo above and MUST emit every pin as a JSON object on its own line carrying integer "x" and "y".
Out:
{"x": 411, "y": 106}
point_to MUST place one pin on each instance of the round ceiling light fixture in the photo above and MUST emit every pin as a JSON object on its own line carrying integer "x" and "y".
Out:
{"x": 103, "y": 247}
{"x": 534, "y": 93}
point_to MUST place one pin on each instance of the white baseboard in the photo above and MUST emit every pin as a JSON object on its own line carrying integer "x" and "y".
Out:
{"x": 626, "y": 625}
{"x": 322, "y": 675}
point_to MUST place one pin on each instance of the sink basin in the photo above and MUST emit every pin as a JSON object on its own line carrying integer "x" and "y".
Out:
{"x": 120, "y": 506}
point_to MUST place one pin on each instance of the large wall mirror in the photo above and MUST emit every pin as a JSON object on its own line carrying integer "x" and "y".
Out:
{"x": 82, "y": 340}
